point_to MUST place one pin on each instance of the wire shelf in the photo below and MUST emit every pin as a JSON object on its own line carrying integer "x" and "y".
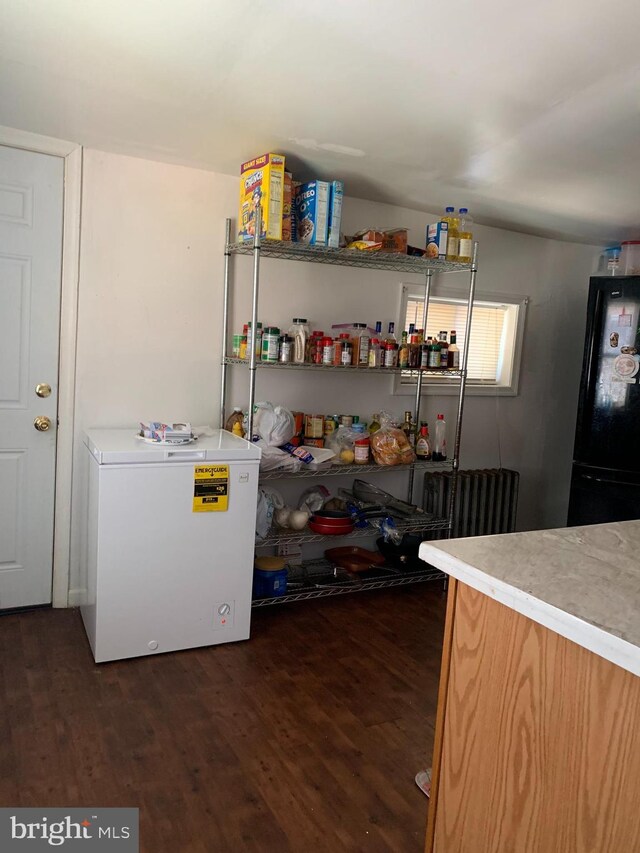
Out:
{"x": 320, "y": 579}
{"x": 393, "y": 261}
{"x": 362, "y": 371}
{"x": 421, "y": 522}
{"x": 338, "y": 470}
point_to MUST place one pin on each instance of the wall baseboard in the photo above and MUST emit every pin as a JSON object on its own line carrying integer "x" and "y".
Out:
{"x": 77, "y": 597}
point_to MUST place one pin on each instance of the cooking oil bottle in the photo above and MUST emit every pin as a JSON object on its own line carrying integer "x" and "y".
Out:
{"x": 465, "y": 236}
{"x": 453, "y": 238}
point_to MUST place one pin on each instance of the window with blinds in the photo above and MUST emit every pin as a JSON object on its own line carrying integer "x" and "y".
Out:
{"x": 487, "y": 332}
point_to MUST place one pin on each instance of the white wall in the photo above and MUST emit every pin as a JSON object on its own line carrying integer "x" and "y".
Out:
{"x": 150, "y": 320}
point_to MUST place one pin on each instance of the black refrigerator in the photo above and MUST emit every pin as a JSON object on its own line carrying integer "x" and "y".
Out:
{"x": 605, "y": 480}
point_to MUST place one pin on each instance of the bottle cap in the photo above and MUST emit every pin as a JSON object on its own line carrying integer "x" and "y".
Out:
{"x": 440, "y": 417}
{"x": 450, "y": 209}
{"x": 464, "y": 210}
{"x": 298, "y": 320}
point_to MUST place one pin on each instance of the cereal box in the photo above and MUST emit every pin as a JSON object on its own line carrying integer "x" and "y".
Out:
{"x": 287, "y": 207}
{"x": 437, "y": 240}
{"x": 312, "y": 213}
{"x": 336, "y": 192}
{"x": 262, "y": 182}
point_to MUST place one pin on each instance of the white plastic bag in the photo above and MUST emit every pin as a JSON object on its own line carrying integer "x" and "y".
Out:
{"x": 274, "y": 425}
{"x": 269, "y": 500}
{"x": 274, "y": 459}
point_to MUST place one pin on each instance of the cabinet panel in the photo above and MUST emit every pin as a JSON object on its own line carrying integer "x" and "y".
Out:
{"x": 541, "y": 741}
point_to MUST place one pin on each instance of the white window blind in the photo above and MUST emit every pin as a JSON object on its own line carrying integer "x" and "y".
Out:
{"x": 487, "y": 329}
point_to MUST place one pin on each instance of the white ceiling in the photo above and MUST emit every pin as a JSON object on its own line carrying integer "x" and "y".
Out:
{"x": 527, "y": 112}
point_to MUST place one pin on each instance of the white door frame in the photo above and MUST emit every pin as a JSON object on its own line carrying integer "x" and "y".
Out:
{"x": 72, "y": 154}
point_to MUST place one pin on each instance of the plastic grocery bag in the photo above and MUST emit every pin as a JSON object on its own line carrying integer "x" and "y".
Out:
{"x": 274, "y": 459}
{"x": 269, "y": 500}
{"x": 389, "y": 445}
{"x": 274, "y": 425}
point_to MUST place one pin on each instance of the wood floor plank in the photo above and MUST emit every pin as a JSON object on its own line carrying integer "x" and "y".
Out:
{"x": 305, "y": 738}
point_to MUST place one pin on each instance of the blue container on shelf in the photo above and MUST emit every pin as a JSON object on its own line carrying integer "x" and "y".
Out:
{"x": 270, "y": 582}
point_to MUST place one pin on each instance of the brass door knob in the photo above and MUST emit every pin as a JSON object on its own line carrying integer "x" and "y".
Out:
{"x": 42, "y": 423}
{"x": 43, "y": 389}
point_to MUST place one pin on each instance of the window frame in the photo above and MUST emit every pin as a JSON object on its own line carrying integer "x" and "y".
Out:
{"x": 509, "y": 382}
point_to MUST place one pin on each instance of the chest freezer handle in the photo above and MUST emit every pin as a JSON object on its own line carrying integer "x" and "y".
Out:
{"x": 189, "y": 454}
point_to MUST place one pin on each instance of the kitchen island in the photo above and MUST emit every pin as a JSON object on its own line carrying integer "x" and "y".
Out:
{"x": 537, "y": 744}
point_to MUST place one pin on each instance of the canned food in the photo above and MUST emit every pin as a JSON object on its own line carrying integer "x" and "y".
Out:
{"x": 330, "y": 424}
{"x": 313, "y": 426}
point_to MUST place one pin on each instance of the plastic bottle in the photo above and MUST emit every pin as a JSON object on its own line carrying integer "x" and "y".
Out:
{"x": 258, "y": 344}
{"x": 440, "y": 443}
{"x": 453, "y": 353}
{"x": 453, "y": 238}
{"x": 299, "y": 331}
{"x": 465, "y": 236}
{"x": 270, "y": 342}
{"x": 391, "y": 337}
{"x": 234, "y": 419}
{"x": 423, "y": 443}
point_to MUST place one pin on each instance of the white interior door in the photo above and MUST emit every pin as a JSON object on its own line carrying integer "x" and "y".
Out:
{"x": 31, "y": 204}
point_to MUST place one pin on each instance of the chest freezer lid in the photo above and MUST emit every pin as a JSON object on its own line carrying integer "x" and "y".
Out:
{"x": 121, "y": 447}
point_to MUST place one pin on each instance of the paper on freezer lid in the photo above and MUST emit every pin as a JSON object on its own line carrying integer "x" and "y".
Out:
{"x": 178, "y": 433}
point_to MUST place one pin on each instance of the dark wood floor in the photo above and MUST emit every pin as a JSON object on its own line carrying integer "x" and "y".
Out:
{"x": 306, "y": 738}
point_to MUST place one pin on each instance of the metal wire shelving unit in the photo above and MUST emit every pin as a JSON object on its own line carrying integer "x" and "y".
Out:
{"x": 418, "y": 523}
{"x": 320, "y": 579}
{"x": 382, "y": 261}
{"x": 328, "y": 470}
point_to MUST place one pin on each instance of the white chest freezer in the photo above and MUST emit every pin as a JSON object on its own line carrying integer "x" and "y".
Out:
{"x": 170, "y": 542}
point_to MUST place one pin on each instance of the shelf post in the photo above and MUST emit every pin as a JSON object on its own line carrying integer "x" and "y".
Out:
{"x": 254, "y": 318}
{"x": 225, "y": 321}
{"x": 463, "y": 383}
{"x": 416, "y": 412}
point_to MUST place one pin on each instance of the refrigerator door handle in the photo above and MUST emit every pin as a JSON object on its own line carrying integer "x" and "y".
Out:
{"x": 609, "y": 482}
{"x": 181, "y": 454}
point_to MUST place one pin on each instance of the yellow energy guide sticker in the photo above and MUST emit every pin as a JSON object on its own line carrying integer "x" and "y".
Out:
{"x": 211, "y": 488}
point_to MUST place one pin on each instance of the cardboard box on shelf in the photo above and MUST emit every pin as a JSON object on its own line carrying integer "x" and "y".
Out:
{"x": 336, "y": 193}
{"x": 312, "y": 212}
{"x": 288, "y": 217}
{"x": 437, "y": 240}
{"x": 395, "y": 240}
{"x": 261, "y": 182}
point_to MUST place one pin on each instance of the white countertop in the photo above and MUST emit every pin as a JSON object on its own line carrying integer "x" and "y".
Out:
{"x": 581, "y": 582}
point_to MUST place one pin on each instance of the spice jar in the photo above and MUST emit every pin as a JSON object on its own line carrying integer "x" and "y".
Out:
{"x": 346, "y": 353}
{"x": 360, "y": 343}
{"x": 270, "y": 342}
{"x": 315, "y": 347}
{"x": 327, "y": 350}
{"x": 391, "y": 355}
{"x": 337, "y": 347}
{"x": 285, "y": 349}
{"x": 361, "y": 445}
{"x": 374, "y": 353}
